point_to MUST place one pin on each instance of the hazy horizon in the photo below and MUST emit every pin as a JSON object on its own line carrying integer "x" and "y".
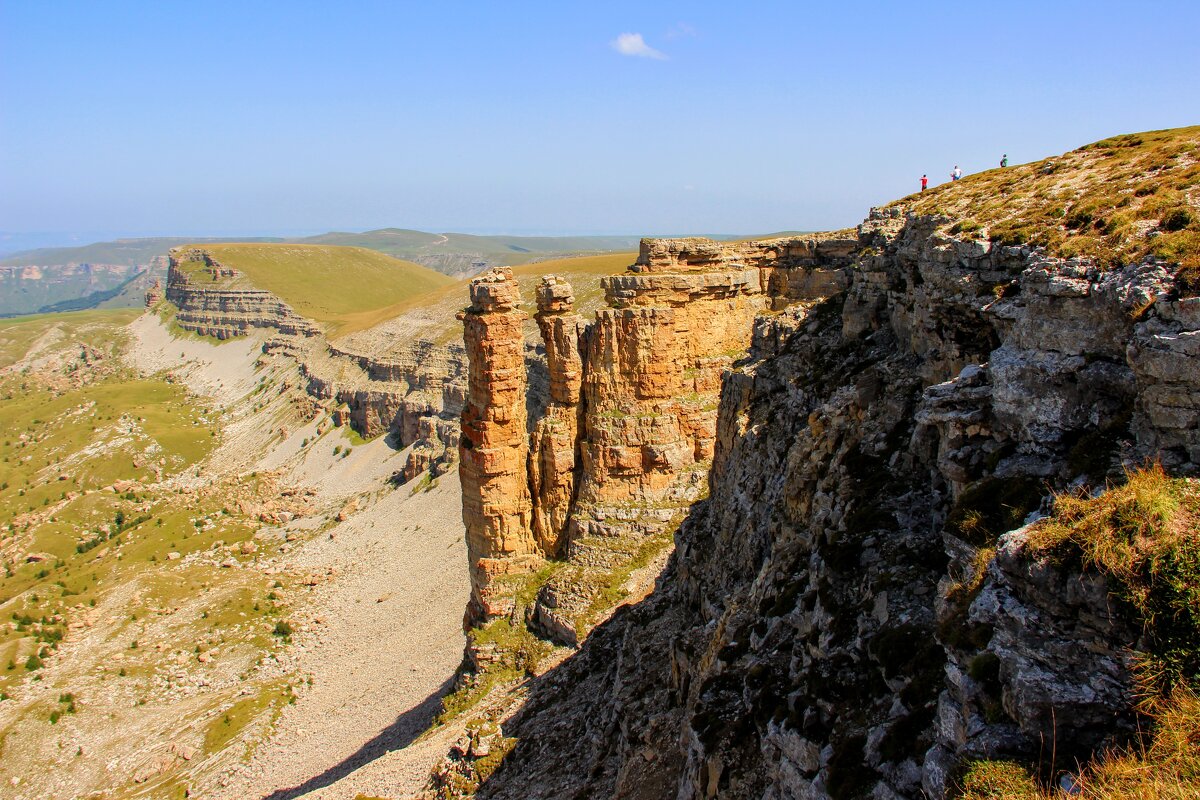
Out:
{"x": 16, "y": 242}
{"x": 257, "y": 119}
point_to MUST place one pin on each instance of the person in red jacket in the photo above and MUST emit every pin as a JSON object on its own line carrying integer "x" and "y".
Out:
{"x": 924, "y": 182}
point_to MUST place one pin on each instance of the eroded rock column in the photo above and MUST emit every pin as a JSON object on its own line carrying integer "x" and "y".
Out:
{"x": 494, "y": 449}
{"x": 553, "y": 460}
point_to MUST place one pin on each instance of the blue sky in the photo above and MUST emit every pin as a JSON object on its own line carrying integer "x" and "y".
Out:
{"x": 255, "y": 117}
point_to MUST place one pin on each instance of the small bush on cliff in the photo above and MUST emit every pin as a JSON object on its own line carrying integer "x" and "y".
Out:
{"x": 991, "y": 507}
{"x": 1176, "y": 219}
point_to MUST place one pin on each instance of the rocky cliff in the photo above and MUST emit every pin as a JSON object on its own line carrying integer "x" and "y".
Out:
{"x": 412, "y": 389}
{"x": 854, "y": 611}
{"x": 605, "y": 452}
{"x": 211, "y": 302}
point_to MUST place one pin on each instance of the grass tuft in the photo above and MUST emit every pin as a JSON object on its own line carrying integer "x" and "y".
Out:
{"x": 1121, "y": 528}
{"x": 1144, "y": 535}
{"x": 1167, "y": 769}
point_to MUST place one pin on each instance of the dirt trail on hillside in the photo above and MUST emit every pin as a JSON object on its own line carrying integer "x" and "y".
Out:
{"x": 380, "y": 634}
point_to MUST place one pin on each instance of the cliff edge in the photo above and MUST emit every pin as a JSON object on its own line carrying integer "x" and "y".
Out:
{"x": 861, "y": 606}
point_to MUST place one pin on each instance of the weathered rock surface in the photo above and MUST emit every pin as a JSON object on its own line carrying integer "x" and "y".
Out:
{"x": 554, "y": 458}
{"x": 827, "y": 635}
{"x": 494, "y": 449}
{"x": 154, "y": 294}
{"x": 413, "y": 390}
{"x": 223, "y": 312}
{"x": 622, "y": 428}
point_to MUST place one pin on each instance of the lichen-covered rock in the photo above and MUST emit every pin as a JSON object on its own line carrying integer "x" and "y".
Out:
{"x": 1056, "y": 668}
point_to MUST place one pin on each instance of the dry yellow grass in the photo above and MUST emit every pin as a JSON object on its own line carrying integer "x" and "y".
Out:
{"x": 1144, "y": 535}
{"x": 1121, "y": 528}
{"x": 1168, "y": 768}
{"x": 1115, "y": 200}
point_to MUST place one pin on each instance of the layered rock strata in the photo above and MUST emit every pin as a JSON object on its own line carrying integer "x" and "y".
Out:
{"x": 214, "y": 308}
{"x": 412, "y": 390}
{"x": 620, "y": 441}
{"x": 154, "y": 294}
{"x": 834, "y": 625}
{"x": 494, "y": 448}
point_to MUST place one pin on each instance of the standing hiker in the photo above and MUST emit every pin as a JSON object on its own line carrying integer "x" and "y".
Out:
{"x": 956, "y": 173}
{"x": 924, "y": 182}
{"x": 1004, "y": 161}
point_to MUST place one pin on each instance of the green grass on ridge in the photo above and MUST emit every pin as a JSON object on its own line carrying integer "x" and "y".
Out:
{"x": 326, "y": 283}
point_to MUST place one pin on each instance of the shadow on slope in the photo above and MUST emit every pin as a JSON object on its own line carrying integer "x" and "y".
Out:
{"x": 400, "y": 734}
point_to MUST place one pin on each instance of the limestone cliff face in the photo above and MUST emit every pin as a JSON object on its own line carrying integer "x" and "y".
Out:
{"x": 497, "y": 508}
{"x": 412, "y": 390}
{"x": 618, "y": 442}
{"x": 554, "y": 455}
{"x": 223, "y": 312}
{"x": 154, "y": 294}
{"x": 821, "y": 630}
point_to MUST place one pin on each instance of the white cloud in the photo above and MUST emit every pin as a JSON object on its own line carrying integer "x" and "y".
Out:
{"x": 632, "y": 44}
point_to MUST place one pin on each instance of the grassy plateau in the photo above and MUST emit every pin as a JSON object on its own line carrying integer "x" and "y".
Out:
{"x": 338, "y": 286}
{"x": 1116, "y": 200}
{"x": 124, "y": 612}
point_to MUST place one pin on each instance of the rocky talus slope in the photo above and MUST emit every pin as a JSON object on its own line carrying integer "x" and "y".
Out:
{"x": 411, "y": 388}
{"x": 853, "y": 611}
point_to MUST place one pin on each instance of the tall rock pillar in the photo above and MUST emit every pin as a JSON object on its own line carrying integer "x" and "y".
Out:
{"x": 494, "y": 449}
{"x": 553, "y": 458}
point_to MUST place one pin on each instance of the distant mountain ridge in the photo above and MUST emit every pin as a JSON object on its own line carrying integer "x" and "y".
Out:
{"x": 58, "y": 282}
{"x": 119, "y": 252}
{"x": 399, "y": 242}
{"x": 72, "y": 287}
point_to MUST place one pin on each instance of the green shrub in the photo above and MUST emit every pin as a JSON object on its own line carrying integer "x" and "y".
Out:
{"x": 1176, "y": 220}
